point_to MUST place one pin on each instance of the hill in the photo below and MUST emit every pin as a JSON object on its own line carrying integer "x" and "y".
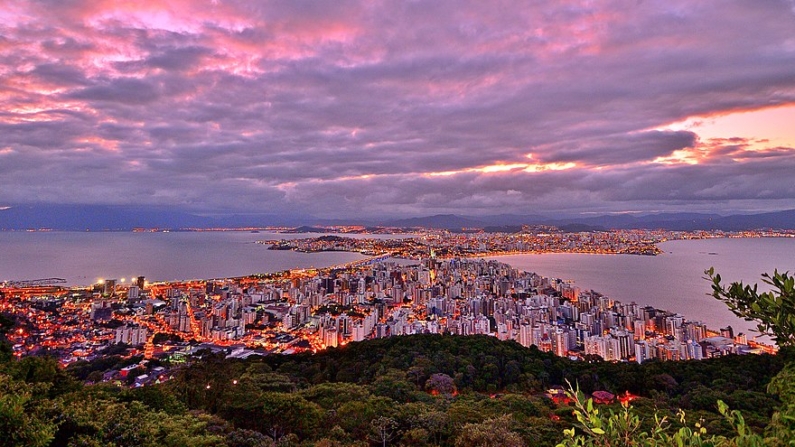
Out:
{"x": 106, "y": 217}
{"x": 116, "y": 218}
{"x": 664, "y": 221}
{"x": 418, "y": 390}
{"x": 441, "y": 221}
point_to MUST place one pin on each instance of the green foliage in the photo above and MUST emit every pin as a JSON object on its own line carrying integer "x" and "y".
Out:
{"x": 247, "y": 438}
{"x": 394, "y": 385}
{"x": 86, "y": 419}
{"x": 162, "y": 337}
{"x": 6, "y": 324}
{"x": 183, "y": 431}
{"x": 155, "y": 397}
{"x": 383, "y": 429}
{"x": 415, "y": 437}
{"x": 773, "y": 311}
{"x": 490, "y": 433}
{"x": 286, "y": 413}
{"x": 434, "y": 424}
{"x": 781, "y": 431}
{"x": 609, "y": 428}
{"x": 331, "y": 396}
{"x": 399, "y": 368}
{"x": 355, "y": 416}
{"x": 106, "y": 422}
{"x": 82, "y": 369}
{"x": 476, "y": 363}
{"x": 22, "y": 417}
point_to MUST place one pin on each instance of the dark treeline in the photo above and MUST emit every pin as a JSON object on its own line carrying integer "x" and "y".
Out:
{"x": 412, "y": 390}
{"x": 484, "y": 364}
{"x": 410, "y": 372}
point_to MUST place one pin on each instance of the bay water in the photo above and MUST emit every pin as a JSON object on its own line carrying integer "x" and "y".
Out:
{"x": 84, "y": 258}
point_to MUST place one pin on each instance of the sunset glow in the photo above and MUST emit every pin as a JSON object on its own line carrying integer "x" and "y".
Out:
{"x": 763, "y": 128}
{"x": 411, "y": 108}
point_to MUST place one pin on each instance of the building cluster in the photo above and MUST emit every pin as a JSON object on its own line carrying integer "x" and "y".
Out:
{"x": 311, "y": 310}
{"x": 476, "y": 296}
{"x": 531, "y": 240}
{"x": 367, "y": 246}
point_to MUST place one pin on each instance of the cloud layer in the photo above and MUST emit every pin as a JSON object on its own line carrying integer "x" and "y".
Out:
{"x": 384, "y": 108}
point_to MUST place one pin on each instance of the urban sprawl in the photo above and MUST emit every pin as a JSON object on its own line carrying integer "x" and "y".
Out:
{"x": 432, "y": 282}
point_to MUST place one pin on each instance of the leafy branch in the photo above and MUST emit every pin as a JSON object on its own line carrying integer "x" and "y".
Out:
{"x": 773, "y": 311}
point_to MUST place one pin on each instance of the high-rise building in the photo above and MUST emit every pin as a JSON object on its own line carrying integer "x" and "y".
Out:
{"x": 331, "y": 338}
{"x": 133, "y": 293}
{"x": 109, "y": 287}
{"x": 131, "y": 335}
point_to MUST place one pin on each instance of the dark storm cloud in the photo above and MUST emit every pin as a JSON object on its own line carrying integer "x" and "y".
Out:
{"x": 127, "y": 91}
{"x": 177, "y": 58}
{"x": 620, "y": 149}
{"x": 44, "y": 135}
{"x": 59, "y": 74}
{"x": 383, "y": 108}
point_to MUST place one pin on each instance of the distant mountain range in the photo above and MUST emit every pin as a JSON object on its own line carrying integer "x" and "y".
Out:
{"x": 667, "y": 221}
{"x": 121, "y": 218}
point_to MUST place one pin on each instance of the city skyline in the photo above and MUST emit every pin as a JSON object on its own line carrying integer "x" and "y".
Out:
{"x": 357, "y": 109}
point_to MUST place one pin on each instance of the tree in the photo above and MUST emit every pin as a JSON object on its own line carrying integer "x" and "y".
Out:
{"x": 356, "y": 416}
{"x": 384, "y": 429}
{"x": 86, "y": 421}
{"x": 184, "y": 430}
{"x": 286, "y": 413}
{"x": 21, "y": 420}
{"x": 440, "y": 383}
{"x": 489, "y": 433}
{"x": 247, "y": 438}
{"x": 331, "y": 396}
{"x": 774, "y": 311}
{"x": 436, "y": 424}
{"x": 393, "y": 384}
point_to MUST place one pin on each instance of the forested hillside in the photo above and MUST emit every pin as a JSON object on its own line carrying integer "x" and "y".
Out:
{"x": 414, "y": 390}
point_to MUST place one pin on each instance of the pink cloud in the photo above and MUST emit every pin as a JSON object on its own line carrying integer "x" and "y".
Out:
{"x": 337, "y": 98}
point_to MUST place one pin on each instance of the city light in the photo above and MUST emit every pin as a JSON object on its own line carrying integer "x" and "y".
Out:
{"x": 307, "y": 310}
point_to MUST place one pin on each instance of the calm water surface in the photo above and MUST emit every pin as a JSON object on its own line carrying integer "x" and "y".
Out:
{"x": 82, "y": 258}
{"x": 674, "y": 280}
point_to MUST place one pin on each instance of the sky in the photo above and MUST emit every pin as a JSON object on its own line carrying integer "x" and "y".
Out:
{"x": 363, "y": 109}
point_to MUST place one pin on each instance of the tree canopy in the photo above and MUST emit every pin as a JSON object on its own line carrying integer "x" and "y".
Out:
{"x": 774, "y": 311}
